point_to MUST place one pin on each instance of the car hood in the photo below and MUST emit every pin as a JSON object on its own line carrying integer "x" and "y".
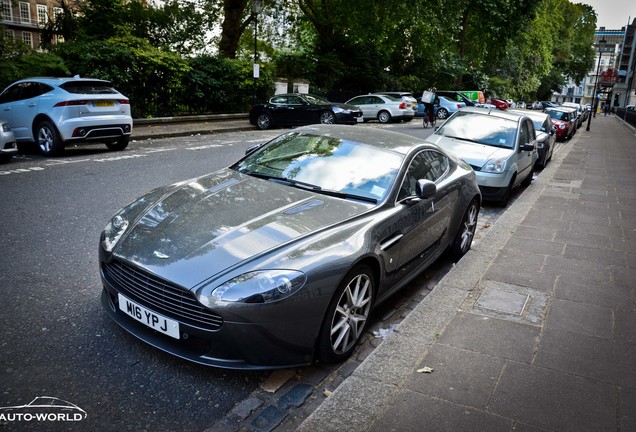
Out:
{"x": 345, "y": 106}
{"x": 217, "y": 221}
{"x": 473, "y": 153}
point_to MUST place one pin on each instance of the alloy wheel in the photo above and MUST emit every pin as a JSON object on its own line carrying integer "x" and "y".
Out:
{"x": 351, "y": 314}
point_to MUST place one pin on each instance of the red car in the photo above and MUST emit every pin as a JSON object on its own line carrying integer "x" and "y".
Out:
{"x": 500, "y": 104}
{"x": 565, "y": 121}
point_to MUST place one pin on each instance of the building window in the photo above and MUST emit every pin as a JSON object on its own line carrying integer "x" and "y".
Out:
{"x": 43, "y": 14}
{"x": 10, "y": 34}
{"x": 25, "y": 13}
{"x": 27, "y": 38}
{"x": 57, "y": 12}
{"x": 7, "y": 12}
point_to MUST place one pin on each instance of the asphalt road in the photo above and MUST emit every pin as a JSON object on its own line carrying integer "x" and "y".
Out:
{"x": 55, "y": 338}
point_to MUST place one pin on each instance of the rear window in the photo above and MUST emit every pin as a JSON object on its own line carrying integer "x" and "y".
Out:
{"x": 89, "y": 87}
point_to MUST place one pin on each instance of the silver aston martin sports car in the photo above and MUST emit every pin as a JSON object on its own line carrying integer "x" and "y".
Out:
{"x": 279, "y": 260}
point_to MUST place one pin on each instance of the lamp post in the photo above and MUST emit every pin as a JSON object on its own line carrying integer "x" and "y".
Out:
{"x": 601, "y": 45}
{"x": 256, "y": 9}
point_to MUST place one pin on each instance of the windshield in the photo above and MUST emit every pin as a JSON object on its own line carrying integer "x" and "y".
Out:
{"x": 325, "y": 164}
{"x": 557, "y": 115}
{"x": 481, "y": 128}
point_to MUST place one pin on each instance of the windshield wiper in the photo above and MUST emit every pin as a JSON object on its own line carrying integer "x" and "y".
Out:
{"x": 311, "y": 187}
{"x": 283, "y": 179}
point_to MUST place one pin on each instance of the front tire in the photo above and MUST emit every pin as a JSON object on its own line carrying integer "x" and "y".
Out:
{"x": 466, "y": 232}
{"x": 347, "y": 316}
{"x": 327, "y": 117}
{"x": 48, "y": 139}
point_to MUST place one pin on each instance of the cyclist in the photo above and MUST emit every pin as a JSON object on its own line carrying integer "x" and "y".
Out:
{"x": 429, "y": 98}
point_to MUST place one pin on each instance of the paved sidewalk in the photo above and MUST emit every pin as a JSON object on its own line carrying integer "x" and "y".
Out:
{"x": 534, "y": 329}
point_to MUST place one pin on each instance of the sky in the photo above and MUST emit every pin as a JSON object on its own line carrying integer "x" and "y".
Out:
{"x": 612, "y": 14}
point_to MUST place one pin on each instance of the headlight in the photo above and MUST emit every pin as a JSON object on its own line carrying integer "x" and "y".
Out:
{"x": 114, "y": 230}
{"x": 337, "y": 109}
{"x": 562, "y": 126}
{"x": 540, "y": 144}
{"x": 265, "y": 286}
{"x": 5, "y": 127}
{"x": 494, "y": 166}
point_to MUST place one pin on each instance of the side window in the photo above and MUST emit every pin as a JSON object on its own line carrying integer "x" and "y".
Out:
{"x": 426, "y": 165}
{"x": 524, "y": 135}
{"x": 11, "y": 94}
{"x": 375, "y": 100}
{"x": 279, "y": 100}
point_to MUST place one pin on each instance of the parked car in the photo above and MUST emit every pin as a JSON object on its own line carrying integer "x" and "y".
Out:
{"x": 279, "y": 259}
{"x": 294, "y": 109}
{"x": 457, "y": 97}
{"x": 443, "y": 108}
{"x": 511, "y": 103}
{"x": 630, "y": 107}
{"x": 56, "y": 112}
{"x": 500, "y": 104}
{"x": 383, "y": 108}
{"x": 579, "y": 112}
{"x": 8, "y": 146}
{"x": 409, "y": 99}
{"x": 546, "y": 135}
{"x": 541, "y": 105}
{"x": 565, "y": 121}
{"x": 500, "y": 147}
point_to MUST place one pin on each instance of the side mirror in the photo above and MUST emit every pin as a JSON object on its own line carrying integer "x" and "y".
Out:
{"x": 252, "y": 149}
{"x": 425, "y": 189}
{"x": 553, "y": 130}
{"x": 528, "y": 146}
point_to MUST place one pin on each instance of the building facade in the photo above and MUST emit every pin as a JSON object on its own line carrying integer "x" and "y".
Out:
{"x": 612, "y": 77}
{"x": 23, "y": 19}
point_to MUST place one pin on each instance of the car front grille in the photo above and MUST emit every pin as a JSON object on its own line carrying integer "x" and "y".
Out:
{"x": 159, "y": 295}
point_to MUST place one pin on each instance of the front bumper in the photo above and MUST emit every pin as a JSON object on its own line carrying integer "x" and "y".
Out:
{"x": 231, "y": 345}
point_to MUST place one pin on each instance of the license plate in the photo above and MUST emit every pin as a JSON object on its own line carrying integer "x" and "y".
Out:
{"x": 103, "y": 103}
{"x": 151, "y": 319}
{"x": 360, "y": 119}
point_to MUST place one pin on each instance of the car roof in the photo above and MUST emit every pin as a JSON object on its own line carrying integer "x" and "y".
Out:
{"x": 495, "y": 112}
{"x": 58, "y": 81}
{"x": 531, "y": 114}
{"x": 561, "y": 108}
{"x": 379, "y": 138}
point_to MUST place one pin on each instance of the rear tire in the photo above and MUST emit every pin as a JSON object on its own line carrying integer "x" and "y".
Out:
{"x": 442, "y": 113}
{"x": 384, "y": 117}
{"x": 347, "y": 316}
{"x": 263, "y": 121}
{"x": 118, "y": 145}
{"x": 48, "y": 139}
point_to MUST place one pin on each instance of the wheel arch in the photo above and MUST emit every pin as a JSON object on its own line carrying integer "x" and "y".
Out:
{"x": 37, "y": 120}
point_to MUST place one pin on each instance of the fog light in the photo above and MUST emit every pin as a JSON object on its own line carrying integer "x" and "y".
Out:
{"x": 127, "y": 128}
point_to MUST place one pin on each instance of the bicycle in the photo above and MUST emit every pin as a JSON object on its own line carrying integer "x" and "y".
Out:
{"x": 428, "y": 119}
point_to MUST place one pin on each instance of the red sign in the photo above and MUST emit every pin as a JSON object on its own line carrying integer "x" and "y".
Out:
{"x": 609, "y": 76}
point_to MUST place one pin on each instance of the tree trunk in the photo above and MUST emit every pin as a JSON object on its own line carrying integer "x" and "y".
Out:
{"x": 232, "y": 27}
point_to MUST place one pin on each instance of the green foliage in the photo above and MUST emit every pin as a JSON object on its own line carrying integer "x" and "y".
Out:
{"x": 158, "y": 53}
{"x": 150, "y": 77}
{"x": 214, "y": 83}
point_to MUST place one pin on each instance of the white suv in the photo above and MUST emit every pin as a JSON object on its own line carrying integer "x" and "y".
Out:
{"x": 55, "y": 112}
